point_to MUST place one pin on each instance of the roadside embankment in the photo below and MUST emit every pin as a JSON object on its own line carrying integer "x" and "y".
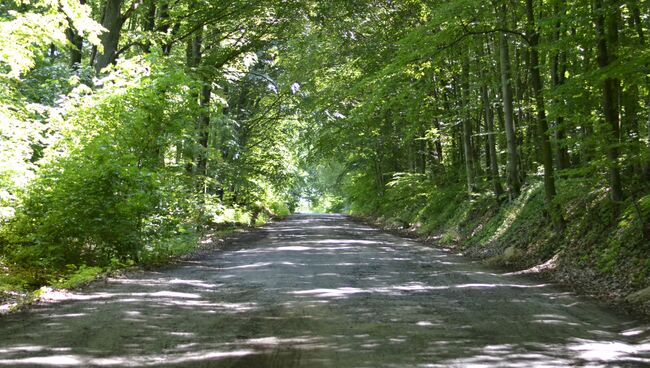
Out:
{"x": 603, "y": 250}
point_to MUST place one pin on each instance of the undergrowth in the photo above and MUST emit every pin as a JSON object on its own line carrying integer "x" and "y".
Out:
{"x": 601, "y": 239}
{"x": 220, "y": 221}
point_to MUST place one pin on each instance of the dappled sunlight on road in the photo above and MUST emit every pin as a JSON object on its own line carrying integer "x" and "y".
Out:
{"x": 319, "y": 291}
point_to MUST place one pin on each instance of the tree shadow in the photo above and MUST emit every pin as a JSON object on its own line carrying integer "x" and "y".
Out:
{"x": 329, "y": 298}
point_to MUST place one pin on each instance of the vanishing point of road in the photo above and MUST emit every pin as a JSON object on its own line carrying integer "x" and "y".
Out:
{"x": 323, "y": 291}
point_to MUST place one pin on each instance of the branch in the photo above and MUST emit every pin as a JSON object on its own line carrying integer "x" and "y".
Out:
{"x": 134, "y": 6}
{"x": 128, "y": 46}
{"x": 468, "y": 32}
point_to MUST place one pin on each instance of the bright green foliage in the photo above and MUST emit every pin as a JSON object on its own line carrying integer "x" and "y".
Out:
{"x": 105, "y": 192}
{"x": 102, "y": 170}
{"x": 78, "y": 277}
{"x": 402, "y": 98}
{"x": 120, "y": 147}
{"x": 29, "y": 28}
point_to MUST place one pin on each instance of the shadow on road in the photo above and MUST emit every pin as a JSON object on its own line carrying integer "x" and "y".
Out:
{"x": 321, "y": 291}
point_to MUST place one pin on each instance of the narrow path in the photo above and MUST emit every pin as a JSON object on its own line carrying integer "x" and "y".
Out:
{"x": 321, "y": 291}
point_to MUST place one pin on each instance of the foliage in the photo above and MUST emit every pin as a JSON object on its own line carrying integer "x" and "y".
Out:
{"x": 78, "y": 277}
{"x": 125, "y": 132}
{"x": 99, "y": 171}
{"x": 408, "y": 122}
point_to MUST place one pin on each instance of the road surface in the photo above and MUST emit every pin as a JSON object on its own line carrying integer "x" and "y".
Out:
{"x": 322, "y": 291}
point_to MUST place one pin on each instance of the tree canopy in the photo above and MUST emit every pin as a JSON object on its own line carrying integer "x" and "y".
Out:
{"x": 127, "y": 126}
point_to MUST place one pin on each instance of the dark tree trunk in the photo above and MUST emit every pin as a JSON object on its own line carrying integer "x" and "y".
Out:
{"x": 638, "y": 26}
{"x": 76, "y": 51}
{"x": 558, "y": 71}
{"x": 203, "y": 128}
{"x": 163, "y": 20}
{"x": 543, "y": 137}
{"x": 607, "y": 31}
{"x": 112, "y": 21}
{"x": 491, "y": 142}
{"x": 514, "y": 184}
{"x": 149, "y": 24}
{"x": 193, "y": 59}
{"x": 75, "y": 39}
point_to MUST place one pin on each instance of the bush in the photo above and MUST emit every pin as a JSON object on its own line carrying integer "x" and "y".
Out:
{"x": 103, "y": 192}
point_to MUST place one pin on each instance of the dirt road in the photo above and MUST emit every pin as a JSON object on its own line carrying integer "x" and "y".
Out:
{"x": 321, "y": 291}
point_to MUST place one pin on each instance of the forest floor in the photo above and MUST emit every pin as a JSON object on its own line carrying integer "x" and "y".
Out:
{"x": 321, "y": 290}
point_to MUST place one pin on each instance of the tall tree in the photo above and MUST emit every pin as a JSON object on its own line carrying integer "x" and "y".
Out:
{"x": 606, "y": 21}
{"x": 543, "y": 135}
{"x": 558, "y": 72}
{"x": 488, "y": 115}
{"x": 112, "y": 20}
{"x": 514, "y": 185}
{"x": 467, "y": 125}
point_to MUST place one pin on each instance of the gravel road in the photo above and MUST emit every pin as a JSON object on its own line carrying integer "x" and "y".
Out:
{"x": 322, "y": 291}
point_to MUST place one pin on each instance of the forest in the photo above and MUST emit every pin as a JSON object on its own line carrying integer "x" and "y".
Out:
{"x": 515, "y": 131}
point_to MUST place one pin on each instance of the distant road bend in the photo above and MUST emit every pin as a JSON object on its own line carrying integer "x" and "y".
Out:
{"x": 322, "y": 291}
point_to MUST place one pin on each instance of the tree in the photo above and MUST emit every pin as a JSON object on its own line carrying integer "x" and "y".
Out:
{"x": 606, "y": 21}
{"x": 112, "y": 20}
{"x": 543, "y": 135}
{"x": 514, "y": 185}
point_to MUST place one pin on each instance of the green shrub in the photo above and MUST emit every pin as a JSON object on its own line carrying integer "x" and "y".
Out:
{"x": 279, "y": 209}
{"x": 77, "y": 277}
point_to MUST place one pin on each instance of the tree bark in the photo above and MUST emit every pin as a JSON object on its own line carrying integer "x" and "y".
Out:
{"x": 607, "y": 32}
{"x": 647, "y": 165}
{"x": 514, "y": 185}
{"x": 492, "y": 150}
{"x": 193, "y": 59}
{"x": 558, "y": 70}
{"x": 163, "y": 27}
{"x": 76, "y": 41}
{"x": 467, "y": 128}
{"x": 543, "y": 137}
{"x": 203, "y": 128}
{"x": 112, "y": 21}
{"x": 638, "y": 26}
{"x": 149, "y": 24}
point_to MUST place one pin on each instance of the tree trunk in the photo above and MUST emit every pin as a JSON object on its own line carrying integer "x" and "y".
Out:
{"x": 193, "y": 59}
{"x": 76, "y": 41}
{"x": 607, "y": 31}
{"x": 467, "y": 128}
{"x": 476, "y": 144}
{"x": 76, "y": 50}
{"x": 629, "y": 116}
{"x": 149, "y": 24}
{"x": 638, "y": 26}
{"x": 203, "y": 128}
{"x": 436, "y": 123}
{"x": 647, "y": 167}
{"x": 492, "y": 150}
{"x": 112, "y": 21}
{"x": 514, "y": 185}
{"x": 163, "y": 27}
{"x": 558, "y": 70}
{"x": 544, "y": 140}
